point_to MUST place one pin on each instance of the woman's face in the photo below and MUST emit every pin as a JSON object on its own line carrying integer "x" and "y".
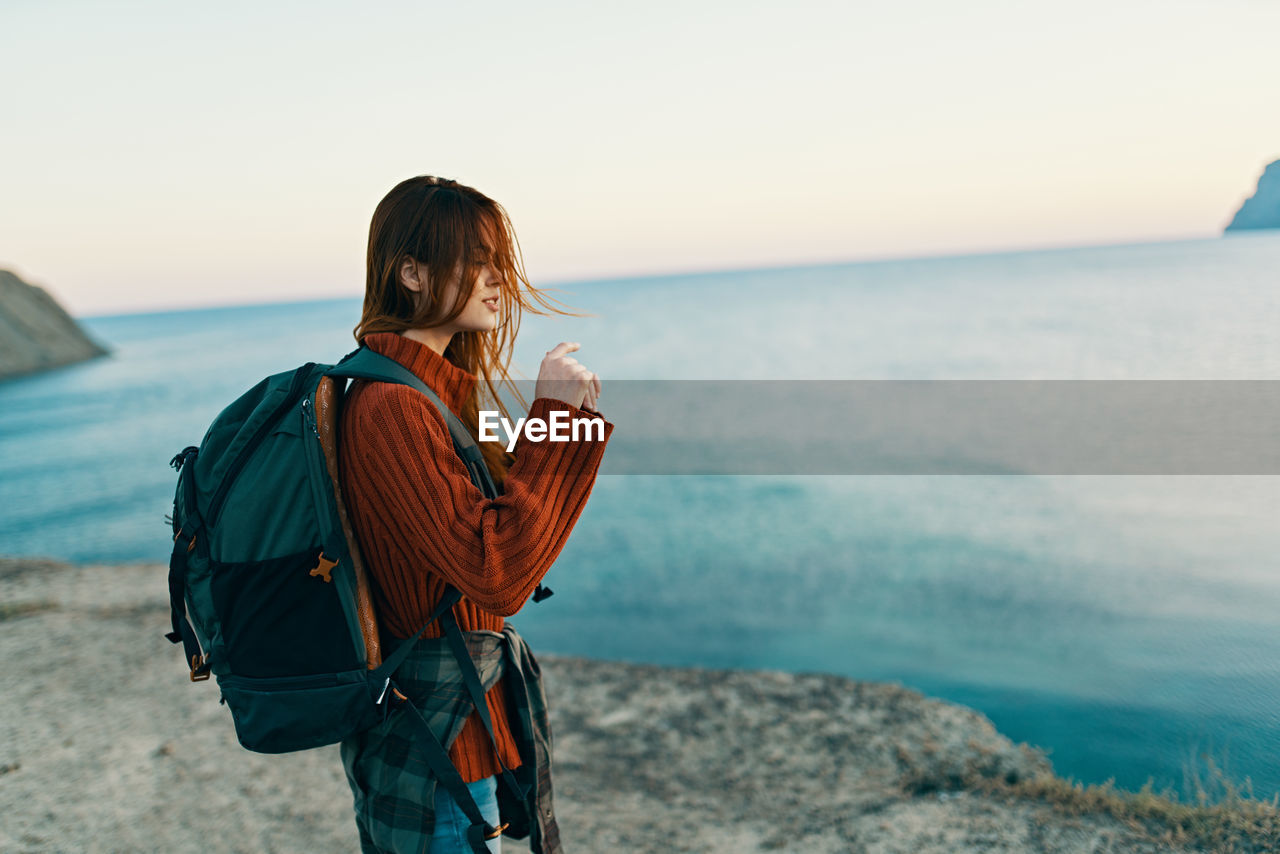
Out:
{"x": 481, "y": 310}
{"x": 480, "y": 314}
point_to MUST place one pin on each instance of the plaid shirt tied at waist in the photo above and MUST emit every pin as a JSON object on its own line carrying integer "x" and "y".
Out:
{"x": 393, "y": 785}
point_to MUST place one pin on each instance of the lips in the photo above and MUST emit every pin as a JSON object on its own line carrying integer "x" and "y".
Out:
{"x": 492, "y": 303}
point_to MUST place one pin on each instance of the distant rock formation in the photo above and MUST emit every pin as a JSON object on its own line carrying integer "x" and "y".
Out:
{"x": 36, "y": 333}
{"x": 1262, "y": 209}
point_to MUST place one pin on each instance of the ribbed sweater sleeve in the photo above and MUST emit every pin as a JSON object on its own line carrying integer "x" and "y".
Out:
{"x": 495, "y": 551}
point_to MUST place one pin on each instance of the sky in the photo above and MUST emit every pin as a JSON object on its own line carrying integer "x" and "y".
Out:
{"x": 161, "y": 155}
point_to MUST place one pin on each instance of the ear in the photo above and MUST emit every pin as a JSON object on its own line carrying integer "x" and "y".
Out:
{"x": 412, "y": 276}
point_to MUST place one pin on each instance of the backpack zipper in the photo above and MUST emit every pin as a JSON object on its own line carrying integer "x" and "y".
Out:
{"x": 215, "y": 504}
{"x": 315, "y": 468}
{"x": 275, "y": 683}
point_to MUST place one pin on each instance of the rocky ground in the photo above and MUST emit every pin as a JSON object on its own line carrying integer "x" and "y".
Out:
{"x": 106, "y": 746}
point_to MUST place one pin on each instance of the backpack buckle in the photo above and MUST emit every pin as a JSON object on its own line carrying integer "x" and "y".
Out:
{"x": 199, "y": 668}
{"x": 397, "y": 697}
{"x": 386, "y": 686}
{"x": 395, "y": 701}
{"x": 497, "y": 831}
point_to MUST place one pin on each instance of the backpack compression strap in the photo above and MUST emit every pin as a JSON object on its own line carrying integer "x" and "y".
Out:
{"x": 368, "y": 365}
{"x": 437, "y": 757}
{"x": 470, "y": 679}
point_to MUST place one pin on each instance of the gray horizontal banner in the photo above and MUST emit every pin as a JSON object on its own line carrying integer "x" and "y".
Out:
{"x": 939, "y": 426}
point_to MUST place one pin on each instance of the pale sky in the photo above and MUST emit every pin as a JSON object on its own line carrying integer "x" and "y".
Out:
{"x": 157, "y": 155}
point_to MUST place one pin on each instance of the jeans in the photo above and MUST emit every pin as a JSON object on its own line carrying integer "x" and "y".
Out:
{"x": 450, "y": 836}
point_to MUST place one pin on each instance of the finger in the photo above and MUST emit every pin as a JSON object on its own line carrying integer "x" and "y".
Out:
{"x": 562, "y": 348}
{"x": 595, "y": 380}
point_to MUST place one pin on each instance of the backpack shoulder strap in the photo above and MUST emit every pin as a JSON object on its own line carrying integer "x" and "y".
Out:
{"x": 365, "y": 364}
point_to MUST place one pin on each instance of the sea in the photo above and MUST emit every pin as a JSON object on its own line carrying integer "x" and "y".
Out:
{"x": 1127, "y": 624}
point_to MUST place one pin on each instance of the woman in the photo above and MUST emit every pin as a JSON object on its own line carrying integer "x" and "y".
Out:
{"x": 444, "y": 292}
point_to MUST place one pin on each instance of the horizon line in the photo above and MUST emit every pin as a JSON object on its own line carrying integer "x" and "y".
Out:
{"x": 656, "y": 274}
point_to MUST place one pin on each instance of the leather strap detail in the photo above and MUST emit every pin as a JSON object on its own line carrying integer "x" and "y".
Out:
{"x": 328, "y": 410}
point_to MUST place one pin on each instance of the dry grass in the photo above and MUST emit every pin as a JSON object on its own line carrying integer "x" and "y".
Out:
{"x": 1222, "y": 816}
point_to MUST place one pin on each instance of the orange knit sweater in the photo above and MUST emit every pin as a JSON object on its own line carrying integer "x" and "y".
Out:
{"x": 421, "y": 522}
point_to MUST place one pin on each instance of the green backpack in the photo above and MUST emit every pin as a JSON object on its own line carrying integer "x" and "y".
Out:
{"x": 266, "y": 586}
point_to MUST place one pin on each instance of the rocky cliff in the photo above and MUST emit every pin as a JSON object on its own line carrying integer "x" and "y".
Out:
{"x": 35, "y": 332}
{"x": 1262, "y": 209}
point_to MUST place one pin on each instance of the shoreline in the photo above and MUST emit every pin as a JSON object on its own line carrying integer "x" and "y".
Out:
{"x": 108, "y": 747}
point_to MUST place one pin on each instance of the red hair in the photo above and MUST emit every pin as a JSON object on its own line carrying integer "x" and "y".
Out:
{"x": 452, "y": 230}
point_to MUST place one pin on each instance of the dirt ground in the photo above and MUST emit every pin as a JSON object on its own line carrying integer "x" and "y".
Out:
{"x": 105, "y": 746}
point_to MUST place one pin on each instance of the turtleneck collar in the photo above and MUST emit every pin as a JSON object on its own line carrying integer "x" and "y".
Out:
{"x": 446, "y": 379}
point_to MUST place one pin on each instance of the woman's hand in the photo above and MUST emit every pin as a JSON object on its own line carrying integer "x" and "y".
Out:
{"x": 562, "y": 377}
